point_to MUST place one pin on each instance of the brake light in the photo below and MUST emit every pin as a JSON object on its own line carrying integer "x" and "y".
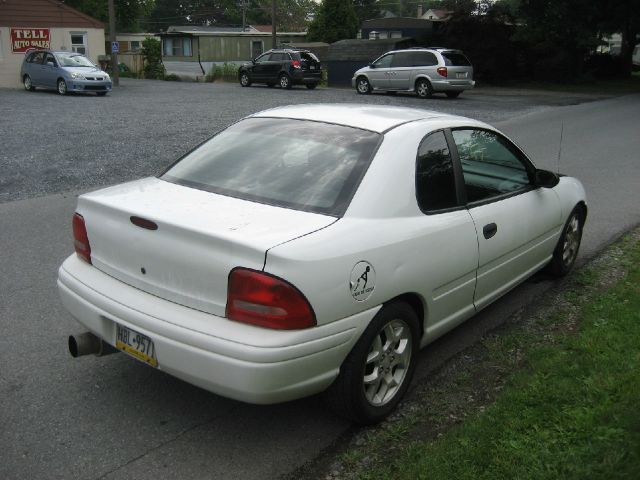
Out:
{"x": 296, "y": 63}
{"x": 267, "y": 301}
{"x": 442, "y": 71}
{"x": 81, "y": 239}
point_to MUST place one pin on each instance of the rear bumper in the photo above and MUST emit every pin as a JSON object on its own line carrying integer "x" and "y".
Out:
{"x": 234, "y": 360}
{"x": 306, "y": 76}
{"x": 449, "y": 85}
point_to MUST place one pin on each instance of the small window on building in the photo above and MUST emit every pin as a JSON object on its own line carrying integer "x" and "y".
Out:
{"x": 79, "y": 42}
{"x": 257, "y": 47}
{"x": 177, "y": 47}
{"x": 395, "y": 34}
{"x": 435, "y": 181}
{"x": 134, "y": 45}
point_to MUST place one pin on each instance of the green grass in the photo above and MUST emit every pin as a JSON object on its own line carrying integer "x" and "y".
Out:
{"x": 570, "y": 409}
{"x": 604, "y": 87}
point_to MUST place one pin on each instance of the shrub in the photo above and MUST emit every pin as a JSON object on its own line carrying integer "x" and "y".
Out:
{"x": 152, "y": 54}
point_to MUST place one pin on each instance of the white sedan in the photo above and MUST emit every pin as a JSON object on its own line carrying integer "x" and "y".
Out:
{"x": 315, "y": 247}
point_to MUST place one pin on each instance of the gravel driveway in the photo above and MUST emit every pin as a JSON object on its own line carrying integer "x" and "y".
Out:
{"x": 51, "y": 144}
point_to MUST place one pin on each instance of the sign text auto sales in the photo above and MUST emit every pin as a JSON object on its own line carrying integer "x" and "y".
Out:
{"x": 22, "y": 39}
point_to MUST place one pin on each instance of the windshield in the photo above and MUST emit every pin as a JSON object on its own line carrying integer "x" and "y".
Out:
{"x": 73, "y": 60}
{"x": 298, "y": 164}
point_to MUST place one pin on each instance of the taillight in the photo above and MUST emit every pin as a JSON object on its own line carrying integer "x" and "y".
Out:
{"x": 296, "y": 63}
{"x": 267, "y": 301}
{"x": 81, "y": 239}
{"x": 442, "y": 71}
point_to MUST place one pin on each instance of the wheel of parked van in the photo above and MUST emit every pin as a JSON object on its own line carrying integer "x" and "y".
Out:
{"x": 62, "y": 87}
{"x": 28, "y": 85}
{"x": 245, "y": 81}
{"x": 423, "y": 88}
{"x": 311, "y": 86}
{"x": 454, "y": 93}
{"x": 285, "y": 81}
{"x": 376, "y": 374}
{"x": 363, "y": 86}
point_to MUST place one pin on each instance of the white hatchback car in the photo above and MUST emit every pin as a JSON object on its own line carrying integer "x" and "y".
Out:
{"x": 315, "y": 247}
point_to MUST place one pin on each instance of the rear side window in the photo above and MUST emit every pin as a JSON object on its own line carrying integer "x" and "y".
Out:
{"x": 424, "y": 59}
{"x": 279, "y": 57}
{"x": 455, "y": 59}
{"x": 402, "y": 59}
{"x": 435, "y": 181}
{"x": 304, "y": 165}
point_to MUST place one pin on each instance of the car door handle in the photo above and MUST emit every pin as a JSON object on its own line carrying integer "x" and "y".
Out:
{"x": 489, "y": 230}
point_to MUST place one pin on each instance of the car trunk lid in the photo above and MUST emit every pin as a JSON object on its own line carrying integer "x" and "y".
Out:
{"x": 198, "y": 238}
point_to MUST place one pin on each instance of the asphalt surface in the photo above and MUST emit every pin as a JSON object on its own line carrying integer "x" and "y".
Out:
{"x": 111, "y": 417}
{"x": 56, "y": 144}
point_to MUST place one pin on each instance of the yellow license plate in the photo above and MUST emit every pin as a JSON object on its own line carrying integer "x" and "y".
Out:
{"x": 136, "y": 344}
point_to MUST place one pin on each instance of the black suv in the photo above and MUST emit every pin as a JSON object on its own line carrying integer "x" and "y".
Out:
{"x": 284, "y": 66}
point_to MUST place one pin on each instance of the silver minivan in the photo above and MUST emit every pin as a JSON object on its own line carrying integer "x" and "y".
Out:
{"x": 421, "y": 70}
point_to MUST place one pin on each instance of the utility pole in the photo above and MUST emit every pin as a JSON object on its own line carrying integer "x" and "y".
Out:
{"x": 273, "y": 24}
{"x": 115, "y": 70}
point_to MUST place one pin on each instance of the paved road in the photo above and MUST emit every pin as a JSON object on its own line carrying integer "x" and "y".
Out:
{"x": 114, "y": 418}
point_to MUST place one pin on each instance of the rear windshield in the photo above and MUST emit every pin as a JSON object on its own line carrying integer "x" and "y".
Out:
{"x": 303, "y": 165}
{"x": 455, "y": 59}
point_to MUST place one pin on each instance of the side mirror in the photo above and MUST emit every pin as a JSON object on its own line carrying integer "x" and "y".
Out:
{"x": 371, "y": 65}
{"x": 546, "y": 179}
{"x": 50, "y": 63}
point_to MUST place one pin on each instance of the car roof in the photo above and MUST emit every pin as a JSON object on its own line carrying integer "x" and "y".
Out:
{"x": 377, "y": 118}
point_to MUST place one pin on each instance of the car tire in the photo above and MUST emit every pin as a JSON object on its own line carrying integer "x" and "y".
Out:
{"x": 245, "y": 81}
{"x": 311, "y": 86}
{"x": 454, "y": 93}
{"x": 62, "y": 87}
{"x": 370, "y": 386}
{"x": 363, "y": 87}
{"x": 28, "y": 84}
{"x": 566, "y": 251}
{"x": 423, "y": 88}
{"x": 285, "y": 81}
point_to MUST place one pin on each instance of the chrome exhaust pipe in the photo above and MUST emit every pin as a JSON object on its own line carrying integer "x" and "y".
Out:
{"x": 87, "y": 343}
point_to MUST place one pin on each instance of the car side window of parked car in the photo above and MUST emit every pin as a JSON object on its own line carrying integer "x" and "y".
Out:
{"x": 50, "y": 59}
{"x": 402, "y": 59}
{"x": 36, "y": 57}
{"x": 279, "y": 57}
{"x": 384, "y": 62}
{"x": 491, "y": 166}
{"x": 423, "y": 59}
{"x": 435, "y": 179}
{"x": 263, "y": 58}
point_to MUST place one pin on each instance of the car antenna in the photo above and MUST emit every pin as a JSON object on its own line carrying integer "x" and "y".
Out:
{"x": 560, "y": 146}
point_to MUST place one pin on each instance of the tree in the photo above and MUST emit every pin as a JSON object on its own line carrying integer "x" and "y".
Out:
{"x": 335, "y": 20}
{"x": 128, "y": 12}
{"x": 366, "y": 10}
{"x": 290, "y": 14}
{"x": 622, "y": 16}
{"x": 151, "y": 52}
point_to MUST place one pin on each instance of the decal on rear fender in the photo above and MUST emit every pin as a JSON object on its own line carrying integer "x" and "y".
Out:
{"x": 363, "y": 281}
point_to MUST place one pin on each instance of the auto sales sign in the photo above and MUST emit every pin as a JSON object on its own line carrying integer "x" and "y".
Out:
{"x": 23, "y": 39}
